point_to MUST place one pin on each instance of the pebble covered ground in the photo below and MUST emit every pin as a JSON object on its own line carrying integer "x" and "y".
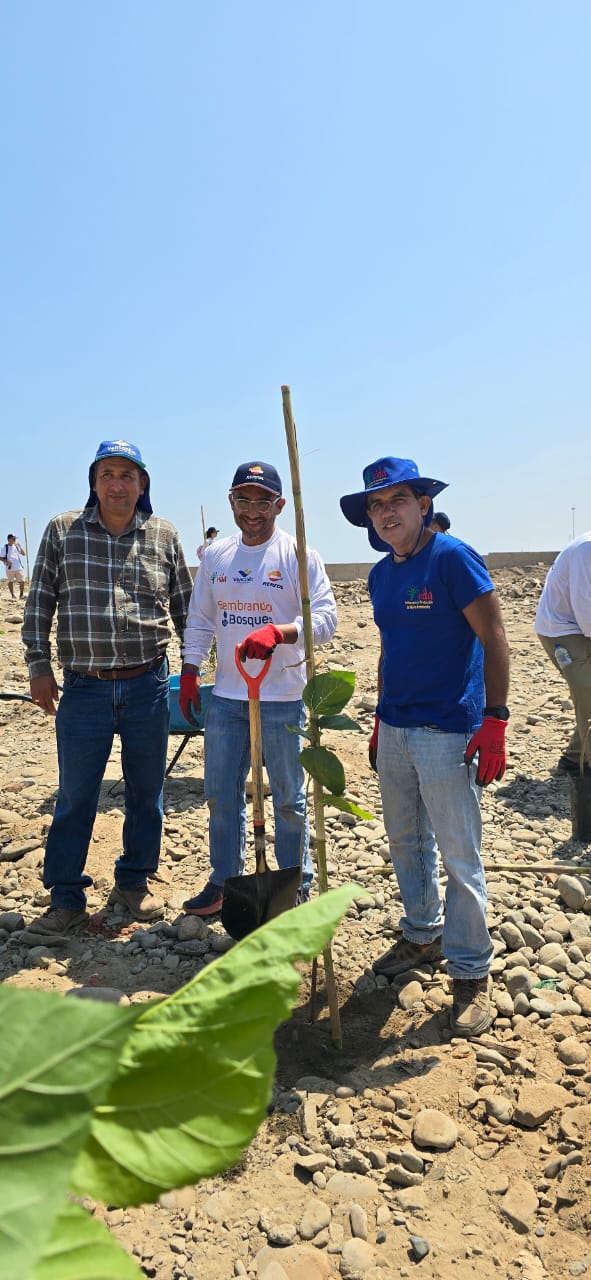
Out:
{"x": 407, "y": 1148}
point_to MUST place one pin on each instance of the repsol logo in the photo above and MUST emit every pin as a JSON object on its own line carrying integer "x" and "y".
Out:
{"x": 245, "y": 620}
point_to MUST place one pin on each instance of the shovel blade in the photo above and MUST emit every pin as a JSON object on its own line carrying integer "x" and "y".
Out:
{"x": 249, "y": 901}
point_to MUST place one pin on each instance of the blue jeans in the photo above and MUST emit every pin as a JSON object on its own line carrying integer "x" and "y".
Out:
{"x": 227, "y": 761}
{"x": 89, "y": 714}
{"x": 430, "y": 799}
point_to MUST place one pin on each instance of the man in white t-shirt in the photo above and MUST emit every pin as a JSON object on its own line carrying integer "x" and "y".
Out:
{"x": 563, "y": 619}
{"x": 247, "y": 593}
{"x": 11, "y": 556}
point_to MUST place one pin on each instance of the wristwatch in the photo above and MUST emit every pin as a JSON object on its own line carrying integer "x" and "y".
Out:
{"x": 501, "y": 713}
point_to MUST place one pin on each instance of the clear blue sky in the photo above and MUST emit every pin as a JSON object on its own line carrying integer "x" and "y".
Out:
{"x": 385, "y": 205}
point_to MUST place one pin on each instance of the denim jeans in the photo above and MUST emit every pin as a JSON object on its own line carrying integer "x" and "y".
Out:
{"x": 89, "y": 714}
{"x": 430, "y": 800}
{"x": 227, "y": 761}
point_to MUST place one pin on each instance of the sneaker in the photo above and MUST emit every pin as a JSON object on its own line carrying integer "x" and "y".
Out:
{"x": 206, "y": 903}
{"x": 141, "y": 903}
{"x": 302, "y": 895}
{"x": 56, "y": 923}
{"x": 406, "y": 955}
{"x": 471, "y": 1012}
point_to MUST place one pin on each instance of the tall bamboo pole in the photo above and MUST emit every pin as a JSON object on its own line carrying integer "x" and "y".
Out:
{"x": 292, "y": 448}
{"x": 26, "y": 548}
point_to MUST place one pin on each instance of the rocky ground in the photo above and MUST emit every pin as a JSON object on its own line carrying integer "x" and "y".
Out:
{"x": 408, "y": 1148}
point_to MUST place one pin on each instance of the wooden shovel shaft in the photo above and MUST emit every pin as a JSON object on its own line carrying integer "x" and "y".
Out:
{"x": 258, "y": 797}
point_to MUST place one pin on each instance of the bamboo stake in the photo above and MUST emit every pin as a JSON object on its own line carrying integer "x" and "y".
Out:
{"x": 292, "y": 448}
{"x": 26, "y": 548}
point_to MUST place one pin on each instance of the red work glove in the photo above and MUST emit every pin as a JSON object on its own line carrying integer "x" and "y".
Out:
{"x": 489, "y": 742}
{"x": 190, "y": 696}
{"x": 373, "y": 746}
{"x": 261, "y": 643}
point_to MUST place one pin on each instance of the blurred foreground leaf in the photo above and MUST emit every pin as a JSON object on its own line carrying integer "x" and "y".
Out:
{"x": 58, "y": 1058}
{"x": 81, "y": 1248}
{"x": 196, "y": 1075}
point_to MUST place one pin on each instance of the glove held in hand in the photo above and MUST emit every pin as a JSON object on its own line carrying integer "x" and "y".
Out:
{"x": 261, "y": 643}
{"x": 190, "y": 697}
{"x": 373, "y": 745}
{"x": 489, "y": 742}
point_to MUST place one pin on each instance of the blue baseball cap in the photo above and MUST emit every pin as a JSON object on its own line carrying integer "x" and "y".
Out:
{"x": 381, "y": 475}
{"x": 261, "y": 473}
{"x": 120, "y": 449}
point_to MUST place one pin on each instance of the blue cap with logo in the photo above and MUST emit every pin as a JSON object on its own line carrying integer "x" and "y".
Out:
{"x": 120, "y": 449}
{"x": 381, "y": 475}
{"x": 261, "y": 473}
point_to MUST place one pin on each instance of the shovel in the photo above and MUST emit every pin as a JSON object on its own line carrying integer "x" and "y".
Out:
{"x": 249, "y": 901}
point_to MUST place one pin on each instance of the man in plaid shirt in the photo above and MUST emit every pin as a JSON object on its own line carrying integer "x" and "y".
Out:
{"x": 113, "y": 572}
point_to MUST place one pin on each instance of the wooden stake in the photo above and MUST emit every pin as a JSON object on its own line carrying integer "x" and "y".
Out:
{"x": 292, "y": 449}
{"x": 26, "y": 548}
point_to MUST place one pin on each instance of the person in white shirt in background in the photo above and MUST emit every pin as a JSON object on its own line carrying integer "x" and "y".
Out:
{"x": 248, "y": 594}
{"x": 210, "y": 535}
{"x": 563, "y": 621}
{"x": 15, "y": 569}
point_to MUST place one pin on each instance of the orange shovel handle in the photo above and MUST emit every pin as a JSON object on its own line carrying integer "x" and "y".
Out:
{"x": 253, "y": 683}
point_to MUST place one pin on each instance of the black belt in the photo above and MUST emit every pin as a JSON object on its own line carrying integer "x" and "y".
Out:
{"x": 125, "y": 673}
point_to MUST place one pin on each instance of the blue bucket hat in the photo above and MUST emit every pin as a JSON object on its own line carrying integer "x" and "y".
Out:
{"x": 381, "y": 475}
{"x": 120, "y": 449}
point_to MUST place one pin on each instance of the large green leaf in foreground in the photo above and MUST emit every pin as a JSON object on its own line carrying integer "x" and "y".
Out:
{"x": 57, "y": 1060}
{"x": 197, "y": 1070}
{"x": 82, "y": 1249}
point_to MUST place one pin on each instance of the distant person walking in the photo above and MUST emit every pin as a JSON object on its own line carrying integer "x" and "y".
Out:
{"x": 210, "y": 536}
{"x": 441, "y": 522}
{"x": 15, "y": 570}
{"x": 563, "y": 625}
{"x": 116, "y": 575}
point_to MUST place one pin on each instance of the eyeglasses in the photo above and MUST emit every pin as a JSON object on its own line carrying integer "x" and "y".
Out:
{"x": 262, "y": 506}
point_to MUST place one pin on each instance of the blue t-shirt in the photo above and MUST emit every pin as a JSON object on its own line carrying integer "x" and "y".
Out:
{"x": 433, "y": 664}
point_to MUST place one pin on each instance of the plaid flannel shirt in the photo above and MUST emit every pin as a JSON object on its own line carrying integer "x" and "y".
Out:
{"x": 113, "y": 593}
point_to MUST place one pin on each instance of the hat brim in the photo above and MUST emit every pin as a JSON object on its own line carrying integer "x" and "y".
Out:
{"x": 354, "y": 505}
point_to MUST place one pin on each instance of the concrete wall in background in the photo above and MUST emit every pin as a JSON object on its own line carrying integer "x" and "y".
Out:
{"x": 495, "y": 560}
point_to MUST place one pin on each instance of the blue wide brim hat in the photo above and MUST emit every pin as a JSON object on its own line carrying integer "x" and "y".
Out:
{"x": 382, "y": 475}
{"x": 121, "y": 449}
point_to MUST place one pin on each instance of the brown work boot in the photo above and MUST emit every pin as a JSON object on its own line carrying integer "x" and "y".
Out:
{"x": 56, "y": 924}
{"x": 141, "y": 903}
{"x": 471, "y": 1012}
{"x": 406, "y": 955}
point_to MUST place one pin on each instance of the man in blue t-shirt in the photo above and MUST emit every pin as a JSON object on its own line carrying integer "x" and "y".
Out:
{"x": 443, "y": 679}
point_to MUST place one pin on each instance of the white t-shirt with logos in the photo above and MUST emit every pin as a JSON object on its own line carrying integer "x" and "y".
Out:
{"x": 240, "y": 588}
{"x": 565, "y": 603}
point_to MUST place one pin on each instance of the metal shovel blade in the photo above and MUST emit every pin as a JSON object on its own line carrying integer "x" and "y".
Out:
{"x": 249, "y": 901}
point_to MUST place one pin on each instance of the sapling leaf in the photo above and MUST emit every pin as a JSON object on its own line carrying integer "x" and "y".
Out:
{"x": 196, "y": 1073}
{"x": 58, "y": 1058}
{"x": 328, "y": 693}
{"x": 323, "y": 765}
{"x": 82, "y": 1248}
{"x": 347, "y": 806}
{"x": 338, "y": 722}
